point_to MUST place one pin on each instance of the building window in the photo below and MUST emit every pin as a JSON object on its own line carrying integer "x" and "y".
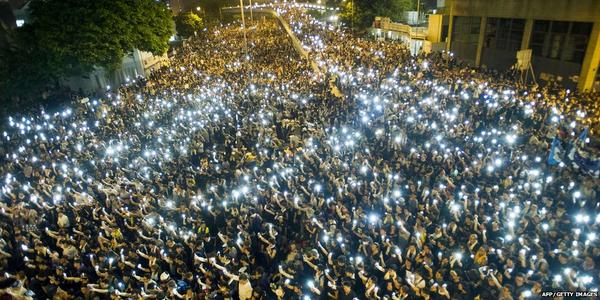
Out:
{"x": 540, "y": 38}
{"x": 466, "y": 29}
{"x": 517, "y": 26}
{"x": 504, "y": 34}
{"x": 445, "y": 32}
{"x": 578, "y": 40}
{"x": 465, "y": 35}
{"x": 564, "y": 41}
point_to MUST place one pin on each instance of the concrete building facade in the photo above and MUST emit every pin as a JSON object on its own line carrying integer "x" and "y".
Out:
{"x": 136, "y": 63}
{"x": 564, "y": 36}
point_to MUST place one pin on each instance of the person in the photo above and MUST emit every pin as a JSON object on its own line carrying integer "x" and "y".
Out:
{"x": 245, "y": 287}
{"x": 357, "y": 171}
{"x": 346, "y": 292}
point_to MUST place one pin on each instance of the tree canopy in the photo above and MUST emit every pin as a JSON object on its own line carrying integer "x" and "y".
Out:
{"x": 211, "y": 7}
{"x": 187, "y": 23}
{"x": 70, "y": 37}
{"x": 84, "y": 34}
{"x": 365, "y": 11}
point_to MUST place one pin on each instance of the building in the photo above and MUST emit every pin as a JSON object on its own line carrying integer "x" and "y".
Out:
{"x": 136, "y": 63}
{"x": 564, "y": 36}
{"x": 413, "y": 36}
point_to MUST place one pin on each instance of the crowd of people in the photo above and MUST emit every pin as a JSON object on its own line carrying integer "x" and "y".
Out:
{"x": 236, "y": 173}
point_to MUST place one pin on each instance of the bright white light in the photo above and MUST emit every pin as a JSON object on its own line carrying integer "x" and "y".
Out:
{"x": 592, "y": 236}
{"x": 580, "y": 218}
{"x": 511, "y": 138}
{"x": 587, "y": 279}
{"x": 455, "y": 207}
{"x": 567, "y": 271}
{"x": 373, "y": 218}
{"x": 498, "y": 162}
{"x": 318, "y": 188}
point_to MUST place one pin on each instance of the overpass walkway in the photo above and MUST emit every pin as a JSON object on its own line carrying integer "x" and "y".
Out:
{"x": 295, "y": 41}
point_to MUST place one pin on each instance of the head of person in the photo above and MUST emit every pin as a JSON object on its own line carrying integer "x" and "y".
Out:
{"x": 347, "y": 286}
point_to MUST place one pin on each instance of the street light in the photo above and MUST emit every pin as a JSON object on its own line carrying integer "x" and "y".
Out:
{"x": 251, "y": 17}
{"x": 244, "y": 27}
{"x": 353, "y": 16}
{"x": 418, "y": 10}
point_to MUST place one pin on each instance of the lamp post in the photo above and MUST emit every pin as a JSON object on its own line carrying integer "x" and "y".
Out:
{"x": 251, "y": 17}
{"x": 418, "y": 11}
{"x": 353, "y": 16}
{"x": 244, "y": 26}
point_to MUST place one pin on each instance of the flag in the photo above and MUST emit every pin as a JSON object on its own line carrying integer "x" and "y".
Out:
{"x": 584, "y": 134}
{"x": 556, "y": 152}
{"x": 587, "y": 163}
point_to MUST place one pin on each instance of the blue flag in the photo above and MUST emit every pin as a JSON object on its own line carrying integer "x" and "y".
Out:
{"x": 587, "y": 162}
{"x": 583, "y": 135}
{"x": 556, "y": 152}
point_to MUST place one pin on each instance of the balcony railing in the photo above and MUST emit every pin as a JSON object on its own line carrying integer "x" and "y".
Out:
{"x": 413, "y": 32}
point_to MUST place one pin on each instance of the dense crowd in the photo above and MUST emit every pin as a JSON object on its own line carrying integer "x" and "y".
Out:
{"x": 236, "y": 173}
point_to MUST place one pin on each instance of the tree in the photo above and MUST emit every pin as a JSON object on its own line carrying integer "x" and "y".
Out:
{"x": 84, "y": 34}
{"x": 25, "y": 71}
{"x": 187, "y": 23}
{"x": 71, "y": 37}
{"x": 365, "y": 11}
{"x": 211, "y": 7}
